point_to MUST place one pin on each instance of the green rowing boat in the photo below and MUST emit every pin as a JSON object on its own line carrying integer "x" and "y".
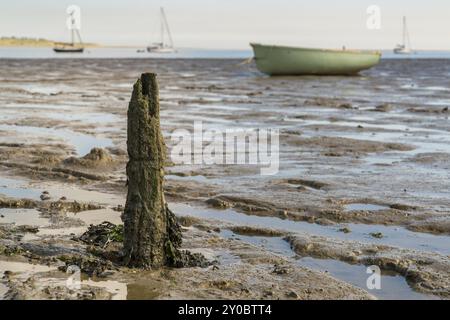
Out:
{"x": 280, "y": 60}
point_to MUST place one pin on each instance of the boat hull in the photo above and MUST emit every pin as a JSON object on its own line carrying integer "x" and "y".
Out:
{"x": 402, "y": 51}
{"x": 74, "y": 50}
{"x": 278, "y": 60}
{"x": 160, "y": 50}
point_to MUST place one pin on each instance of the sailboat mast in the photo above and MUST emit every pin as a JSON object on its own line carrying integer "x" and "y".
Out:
{"x": 404, "y": 32}
{"x": 167, "y": 27}
{"x": 162, "y": 26}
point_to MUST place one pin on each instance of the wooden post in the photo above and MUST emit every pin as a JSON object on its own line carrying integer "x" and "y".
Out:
{"x": 151, "y": 234}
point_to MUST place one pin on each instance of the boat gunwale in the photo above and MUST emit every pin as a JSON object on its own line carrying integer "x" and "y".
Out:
{"x": 367, "y": 52}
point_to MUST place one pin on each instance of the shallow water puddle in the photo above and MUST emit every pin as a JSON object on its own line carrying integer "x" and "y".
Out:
{"x": 364, "y": 207}
{"x": 119, "y": 290}
{"x": 22, "y": 217}
{"x": 82, "y": 143}
{"x": 17, "y": 188}
{"x": 392, "y": 236}
{"x": 393, "y": 286}
{"x": 142, "y": 290}
{"x": 25, "y": 270}
{"x": 84, "y": 117}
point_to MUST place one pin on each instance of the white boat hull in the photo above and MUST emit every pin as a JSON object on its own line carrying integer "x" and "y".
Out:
{"x": 161, "y": 50}
{"x": 402, "y": 51}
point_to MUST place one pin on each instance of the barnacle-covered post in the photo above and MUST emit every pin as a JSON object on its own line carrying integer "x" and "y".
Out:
{"x": 151, "y": 234}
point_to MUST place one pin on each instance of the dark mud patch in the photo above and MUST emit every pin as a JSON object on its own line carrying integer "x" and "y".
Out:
{"x": 17, "y": 203}
{"x": 45, "y": 172}
{"x": 256, "y": 232}
{"x": 251, "y": 206}
{"x": 307, "y": 183}
{"x": 435, "y": 225}
{"x": 346, "y": 146}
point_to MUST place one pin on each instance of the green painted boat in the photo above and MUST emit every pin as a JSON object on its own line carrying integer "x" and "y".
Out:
{"x": 281, "y": 60}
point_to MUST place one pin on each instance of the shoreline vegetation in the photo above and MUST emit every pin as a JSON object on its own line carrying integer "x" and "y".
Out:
{"x": 35, "y": 42}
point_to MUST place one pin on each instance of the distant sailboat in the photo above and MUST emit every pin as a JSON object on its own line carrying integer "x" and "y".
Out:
{"x": 162, "y": 46}
{"x": 405, "y": 47}
{"x": 71, "y": 47}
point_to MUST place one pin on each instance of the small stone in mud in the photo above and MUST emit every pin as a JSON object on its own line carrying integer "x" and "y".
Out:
{"x": 63, "y": 199}
{"x": 45, "y": 197}
{"x": 345, "y": 230}
{"x": 377, "y": 235}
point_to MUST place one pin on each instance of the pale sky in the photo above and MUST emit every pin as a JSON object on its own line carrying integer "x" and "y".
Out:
{"x": 232, "y": 24}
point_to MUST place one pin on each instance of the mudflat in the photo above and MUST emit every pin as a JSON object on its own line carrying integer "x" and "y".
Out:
{"x": 363, "y": 180}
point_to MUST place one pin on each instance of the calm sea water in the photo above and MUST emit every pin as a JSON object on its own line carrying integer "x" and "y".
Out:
{"x": 45, "y": 53}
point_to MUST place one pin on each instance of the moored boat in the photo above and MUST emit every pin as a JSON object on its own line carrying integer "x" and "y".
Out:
{"x": 283, "y": 60}
{"x": 162, "y": 46}
{"x": 67, "y": 48}
{"x": 71, "y": 47}
{"x": 405, "y": 46}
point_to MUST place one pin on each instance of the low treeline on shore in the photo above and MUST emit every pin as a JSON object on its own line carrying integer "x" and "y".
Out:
{"x": 31, "y": 42}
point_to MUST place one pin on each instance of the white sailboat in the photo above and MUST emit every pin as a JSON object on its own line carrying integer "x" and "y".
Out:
{"x": 71, "y": 47}
{"x": 162, "y": 46}
{"x": 405, "y": 47}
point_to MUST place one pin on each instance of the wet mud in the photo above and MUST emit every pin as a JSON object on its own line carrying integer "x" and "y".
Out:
{"x": 363, "y": 180}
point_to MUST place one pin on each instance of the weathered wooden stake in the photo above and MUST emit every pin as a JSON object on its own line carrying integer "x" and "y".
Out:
{"x": 151, "y": 234}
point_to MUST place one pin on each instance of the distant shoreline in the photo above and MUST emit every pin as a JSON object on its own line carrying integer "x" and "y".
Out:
{"x": 25, "y": 42}
{"x": 14, "y": 42}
